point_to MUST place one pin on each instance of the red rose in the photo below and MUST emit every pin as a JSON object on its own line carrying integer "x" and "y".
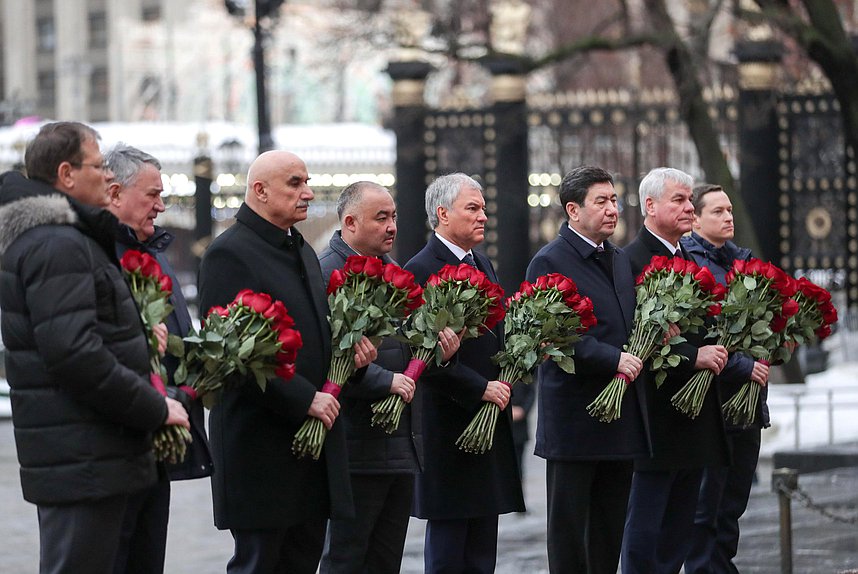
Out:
{"x": 526, "y": 288}
{"x": 222, "y": 311}
{"x": 829, "y": 313}
{"x": 373, "y": 267}
{"x": 678, "y": 265}
{"x": 338, "y": 277}
{"x": 659, "y": 263}
{"x": 166, "y": 283}
{"x": 789, "y": 308}
{"x": 541, "y": 282}
{"x": 495, "y": 316}
{"x": 285, "y": 371}
{"x": 464, "y": 272}
{"x": 729, "y": 277}
{"x": 448, "y": 272}
{"x": 149, "y": 267}
{"x": 259, "y": 302}
{"x": 823, "y": 332}
{"x": 691, "y": 267}
{"x": 718, "y": 292}
{"x": 131, "y": 260}
{"x": 738, "y": 267}
{"x": 279, "y": 315}
{"x": 753, "y": 266}
{"x": 290, "y": 339}
{"x": 714, "y": 309}
{"x": 355, "y": 264}
{"x": 778, "y": 323}
{"x": 566, "y": 285}
{"x": 241, "y": 294}
{"x": 705, "y": 278}
{"x": 434, "y": 280}
{"x": 287, "y": 356}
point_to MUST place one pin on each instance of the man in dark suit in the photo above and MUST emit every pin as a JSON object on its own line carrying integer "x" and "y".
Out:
{"x": 135, "y": 199}
{"x": 275, "y": 504}
{"x": 589, "y": 463}
{"x": 382, "y": 466}
{"x": 724, "y": 490}
{"x": 664, "y": 488}
{"x": 462, "y": 494}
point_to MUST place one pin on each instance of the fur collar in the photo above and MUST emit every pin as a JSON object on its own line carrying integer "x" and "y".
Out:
{"x": 28, "y": 212}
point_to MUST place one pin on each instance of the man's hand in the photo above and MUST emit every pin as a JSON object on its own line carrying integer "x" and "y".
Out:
{"x": 365, "y": 353}
{"x": 671, "y": 332}
{"x": 760, "y": 373}
{"x": 161, "y": 333}
{"x": 325, "y": 408}
{"x": 402, "y": 386}
{"x": 629, "y": 365}
{"x": 497, "y": 393}
{"x": 176, "y": 414}
{"x": 449, "y": 342}
{"x": 518, "y": 413}
{"x": 712, "y": 357}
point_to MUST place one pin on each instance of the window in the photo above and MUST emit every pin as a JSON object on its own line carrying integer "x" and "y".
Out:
{"x": 47, "y": 89}
{"x": 46, "y": 38}
{"x": 97, "y": 30}
{"x": 99, "y": 87}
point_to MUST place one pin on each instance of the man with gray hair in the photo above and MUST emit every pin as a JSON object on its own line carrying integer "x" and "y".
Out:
{"x": 462, "y": 494}
{"x": 664, "y": 488}
{"x": 135, "y": 199}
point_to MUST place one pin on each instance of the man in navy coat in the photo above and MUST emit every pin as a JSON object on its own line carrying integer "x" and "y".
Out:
{"x": 664, "y": 487}
{"x": 589, "y": 463}
{"x": 462, "y": 494}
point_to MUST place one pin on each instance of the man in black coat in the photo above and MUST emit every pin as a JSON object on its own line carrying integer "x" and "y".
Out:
{"x": 589, "y": 463}
{"x": 274, "y": 504}
{"x": 77, "y": 357}
{"x": 724, "y": 490}
{"x": 135, "y": 199}
{"x": 462, "y": 494}
{"x": 382, "y": 466}
{"x": 664, "y": 488}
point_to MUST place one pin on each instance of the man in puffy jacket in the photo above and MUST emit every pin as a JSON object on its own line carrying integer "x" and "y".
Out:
{"x": 76, "y": 353}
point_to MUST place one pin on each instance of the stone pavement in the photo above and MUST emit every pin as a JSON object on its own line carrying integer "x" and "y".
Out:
{"x": 196, "y": 547}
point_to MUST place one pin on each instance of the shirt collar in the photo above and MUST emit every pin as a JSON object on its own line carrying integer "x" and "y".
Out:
{"x": 672, "y": 248}
{"x": 589, "y": 241}
{"x": 457, "y": 251}
{"x": 268, "y": 231}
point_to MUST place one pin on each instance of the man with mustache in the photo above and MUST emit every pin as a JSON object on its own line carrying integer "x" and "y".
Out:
{"x": 274, "y": 504}
{"x": 382, "y": 466}
{"x": 589, "y": 463}
{"x": 664, "y": 488}
{"x": 724, "y": 490}
{"x": 462, "y": 494}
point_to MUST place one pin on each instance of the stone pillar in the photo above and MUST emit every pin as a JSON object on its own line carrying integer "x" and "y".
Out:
{"x": 759, "y": 182}
{"x": 203, "y": 177}
{"x": 409, "y": 114}
{"x": 506, "y": 185}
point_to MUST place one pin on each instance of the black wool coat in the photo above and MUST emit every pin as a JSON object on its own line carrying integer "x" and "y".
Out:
{"x": 455, "y": 484}
{"x": 258, "y": 483}
{"x": 678, "y": 442}
{"x": 77, "y": 360}
{"x": 371, "y": 449}
{"x": 564, "y": 430}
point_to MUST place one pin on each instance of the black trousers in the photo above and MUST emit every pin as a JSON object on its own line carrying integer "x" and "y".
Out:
{"x": 460, "y": 546}
{"x": 586, "y": 514}
{"x": 143, "y": 542}
{"x": 293, "y": 550}
{"x": 82, "y": 537}
{"x": 659, "y": 520}
{"x": 372, "y": 541}
{"x": 723, "y": 499}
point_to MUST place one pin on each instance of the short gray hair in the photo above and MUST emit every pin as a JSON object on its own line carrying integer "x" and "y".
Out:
{"x": 351, "y": 195}
{"x": 652, "y": 185}
{"x": 444, "y": 191}
{"x": 126, "y": 162}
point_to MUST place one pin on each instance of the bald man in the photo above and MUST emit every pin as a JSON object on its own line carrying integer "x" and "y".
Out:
{"x": 274, "y": 504}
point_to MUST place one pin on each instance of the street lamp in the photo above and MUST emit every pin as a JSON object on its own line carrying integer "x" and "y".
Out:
{"x": 263, "y": 10}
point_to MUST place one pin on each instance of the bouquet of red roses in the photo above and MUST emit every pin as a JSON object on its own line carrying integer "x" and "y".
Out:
{"x": 251, "y": 335}
{"x": 151, "y": 289}
{"x": 366, "y": 298}
{"x": 805, "y": 314}
{"x": 544, "y": 320}
{"x": 669, "y": 291}
{"x": 457, "y": 296}
{"x": 757, "y": 292}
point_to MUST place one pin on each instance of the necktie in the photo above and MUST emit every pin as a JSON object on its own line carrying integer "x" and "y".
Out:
{"x": 605, "y": 260}
{"x": 469, "y": 259}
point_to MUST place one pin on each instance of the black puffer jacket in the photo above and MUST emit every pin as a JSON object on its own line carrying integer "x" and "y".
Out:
{"x": 76, "y": 355}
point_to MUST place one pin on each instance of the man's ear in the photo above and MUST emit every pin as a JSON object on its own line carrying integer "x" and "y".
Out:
{"x": 648, "y": 205}
{"x": 65, "y": 175}
{"x": 349, "y": 222}
{"x": 572, "y": 210}
{"x": 441, "y": 212}
{"x": 113, "y": 192}
{"x": 260, "y": 192}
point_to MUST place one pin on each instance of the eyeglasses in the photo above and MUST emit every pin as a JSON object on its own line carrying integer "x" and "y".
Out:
{"x": 104, "y": 167}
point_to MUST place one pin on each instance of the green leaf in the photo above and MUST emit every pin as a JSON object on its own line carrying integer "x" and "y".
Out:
{"x": 749, "y": 282}
{"x": 567, "y": 364}
{"x": 175, "y": 346}
{"x": 441, "y": 320}
{"x": 246, "y": 347}
{"x": 673, "y": 360}
{"x": 260, "y": 380}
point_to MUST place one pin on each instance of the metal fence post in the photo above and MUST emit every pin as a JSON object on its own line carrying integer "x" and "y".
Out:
{"x": 785, "y": 480}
